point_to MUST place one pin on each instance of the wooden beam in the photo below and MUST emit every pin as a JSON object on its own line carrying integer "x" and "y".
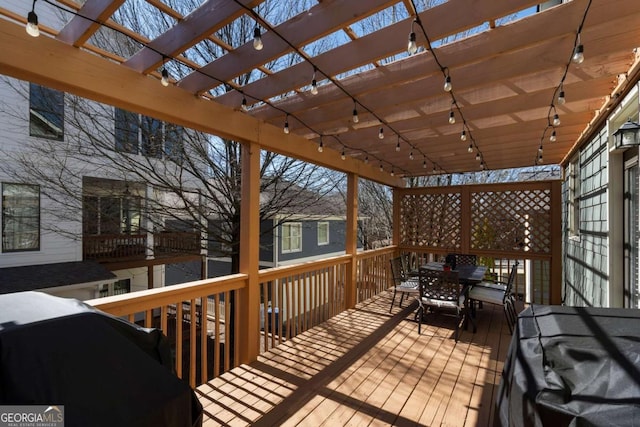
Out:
{"x": 82, "y": 26}
{"x": 248, "y": 329}
{"x": 49, "y": 62}
{"x": 351, "y": 241}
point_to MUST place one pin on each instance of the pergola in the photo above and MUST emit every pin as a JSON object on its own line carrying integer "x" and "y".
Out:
{"x": 506, "y": 80}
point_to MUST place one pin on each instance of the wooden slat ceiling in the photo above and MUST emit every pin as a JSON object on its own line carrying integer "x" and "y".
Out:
{"x": 504, "y": 76}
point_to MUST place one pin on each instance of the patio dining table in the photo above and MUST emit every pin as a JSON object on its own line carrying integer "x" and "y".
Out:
{"x": 468, "y": 274}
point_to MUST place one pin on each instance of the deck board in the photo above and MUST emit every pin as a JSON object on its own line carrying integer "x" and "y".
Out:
{"x": 368, "y": 367}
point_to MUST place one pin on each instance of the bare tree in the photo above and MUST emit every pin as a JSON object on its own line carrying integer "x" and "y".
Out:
{"x": 167, "y": 175}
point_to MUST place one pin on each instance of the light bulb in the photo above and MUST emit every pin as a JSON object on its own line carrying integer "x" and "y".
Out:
{"x": 540, "y": 157}
{"x": 553, "y": 136}
{"x": 381, "y": 134}
{"x": 366, "y": 160}
{"x": 470, "y": 149}
{"x": 561, "y": 98}
{"x": 244, "y": 104}
{"x": 165, "y": 78}
{"x": 447, "y": 84}
{"x": 320, "y": 147}
{"x": 540, "y": 149}
{"x": 32, "y": 24}
{"x": 463, "y": 135}
{"x": 424, "y": 164}
{"x": 314, "y": 87}
{"x": 478, "y": 156}
{"x": 392, "y": 172}
{"x": 412, "y": 46}
{"x": 398, "y": 146}
{"x": 556, "y": 120}
{"x": 578, "y": 54}
{"x": 286, "y": 127}
{"x": 257, "y": 39}
{"x": 381, "y": 168}
{"x": 411, "y": 155}
{"x": 482, "y": 165}
{"x": 452, "y": 117}
{"x": 435, "y": 169}
{"x": 356, "y": 119}
{"x": 343, "y": 155}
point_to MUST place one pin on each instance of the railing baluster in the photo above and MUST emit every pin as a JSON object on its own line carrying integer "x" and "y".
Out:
{"x": 204, "y": 340}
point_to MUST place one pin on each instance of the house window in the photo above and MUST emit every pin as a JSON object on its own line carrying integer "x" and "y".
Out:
{"x": 46, "y": 112}
{"x": 148, "y": 136}
{"x": 126, "y": 127}
{"x": 323, "y": 233}
{"x": 291, "y": 237}
{"x": 120, "y": 287}
{"x": 20, "y": 217}
{"x": 111, "y": 215}
{"x": 574, "y": 198}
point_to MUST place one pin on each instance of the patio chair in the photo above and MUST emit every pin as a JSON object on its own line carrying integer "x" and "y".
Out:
{"x": 402, "y": 282}
{"x": 440, "y": 290}
{"x": 498, "y": 293}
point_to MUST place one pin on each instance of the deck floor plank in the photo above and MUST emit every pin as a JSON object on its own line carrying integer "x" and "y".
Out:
{"x": 368, "y": 367}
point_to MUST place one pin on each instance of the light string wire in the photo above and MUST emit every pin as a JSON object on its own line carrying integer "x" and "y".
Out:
{"x": 560, "y": 86}
{"x": 447, "y": 75}
{"x": 337, "y": 84}
{"x": 167, "y": 58}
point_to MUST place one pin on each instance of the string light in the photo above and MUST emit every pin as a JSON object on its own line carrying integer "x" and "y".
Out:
{"x": 381, "y": 134}
{"x": 447, "y": 83}
{"x": 424, "y": 164}
{"x": 32, "y": 22}
{"x": 478, "y": 156}
{"x": 561, "y": 98}
{"x": 412, "y": 46}
{"x": 392, "y": 172}
{"x": 257, "y": 39}
{"x": 343, "y": 155}
{"x": 366, "y": 160}
{"x": 556, "y": 120}
{"x": 553, "y": 136}
{"x": 285, "y": 129}
{"x": 314, "y": 83}
{"x": 452, "y": 116}
{"x": 470, "y": 149}
{"x": 164, "y": 81}
{"x": 398, "y": 144}
{"x": 540, "y": 149}
{"x": 463, "y": 135}
{"x": 321, "y": 146}
{"x": 244, "y": 103}
{"x": 411, "y": 155}
{"x": 381, "y": 168}
{"x": 355, "y": 118}
{"x": 578, "y": 52}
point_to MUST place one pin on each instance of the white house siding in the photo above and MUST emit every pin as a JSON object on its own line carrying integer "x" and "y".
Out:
{"x": 586, "y": 277}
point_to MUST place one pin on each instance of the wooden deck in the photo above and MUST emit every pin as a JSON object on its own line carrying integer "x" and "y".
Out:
{"x": 367, "y": 367}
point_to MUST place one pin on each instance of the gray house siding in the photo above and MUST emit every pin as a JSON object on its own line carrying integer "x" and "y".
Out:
{"x": 585, "y": 255}
{"x": 310, "y": 247}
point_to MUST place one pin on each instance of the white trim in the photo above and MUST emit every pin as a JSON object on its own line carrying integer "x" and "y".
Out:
{"x": 318, "y": 232}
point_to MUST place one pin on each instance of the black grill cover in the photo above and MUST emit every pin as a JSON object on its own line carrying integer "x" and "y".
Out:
{"x": 105, "y": 371}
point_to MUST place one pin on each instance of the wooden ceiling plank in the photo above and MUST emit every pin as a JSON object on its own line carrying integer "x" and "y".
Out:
{"x": 321, "y": 20}
{"x": 193, "y": 28}
{"x": 474, "y": 50}
{"x": 372, "y": 47}
{"x": 82, "y": 26}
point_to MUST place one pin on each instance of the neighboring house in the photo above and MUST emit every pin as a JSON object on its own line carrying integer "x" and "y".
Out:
{"x": 601, "y": 216}
{"x": 98, "y": 237}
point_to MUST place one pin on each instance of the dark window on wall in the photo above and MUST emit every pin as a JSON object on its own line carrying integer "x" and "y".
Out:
{"x": 46, "y": 112}
{"x": 173, "y": 143}
{"x": 111, "y": 215}
{"x": 126, "y": 127}
{"x": 20, "y": 217}
{"x": 151, "y": 137}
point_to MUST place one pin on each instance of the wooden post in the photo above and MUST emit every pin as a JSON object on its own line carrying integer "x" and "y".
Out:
{"x": 555, "y": 293}
{"x": 395, "y": 239}
{"x": 150, "y": 276}
{"x": 351, "y": 243}
{"x": 248, "y": 306}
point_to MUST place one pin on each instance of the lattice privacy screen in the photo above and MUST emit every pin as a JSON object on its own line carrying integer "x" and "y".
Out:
{"x": 431, "y": 220}
{"x": 511, "y": 221}
{"x": 514, "y": 220}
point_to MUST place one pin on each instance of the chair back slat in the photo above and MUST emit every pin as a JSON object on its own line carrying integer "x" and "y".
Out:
{"x": 397, "y": 272}
{"x": 512, "y": 277}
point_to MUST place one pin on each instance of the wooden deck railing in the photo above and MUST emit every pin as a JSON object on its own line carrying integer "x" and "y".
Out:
{"x": 107, "y": 247}
{"x": 204, "y": 337}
